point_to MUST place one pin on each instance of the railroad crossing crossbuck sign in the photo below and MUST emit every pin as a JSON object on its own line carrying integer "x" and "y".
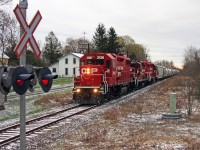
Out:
{"x": 28, "y": 32}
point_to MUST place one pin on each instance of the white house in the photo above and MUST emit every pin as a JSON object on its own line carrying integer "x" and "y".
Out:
{"x": 67, "y": 66}
{"x": 5, "y": 58}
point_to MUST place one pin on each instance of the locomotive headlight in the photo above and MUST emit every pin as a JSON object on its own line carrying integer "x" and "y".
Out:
{"x": 95, "y": 90}
{"x": 78, "y": 90}
{"x": 88, "y": 71}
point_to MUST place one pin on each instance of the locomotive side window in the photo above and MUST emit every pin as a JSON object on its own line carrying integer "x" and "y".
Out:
{"x": 128, "y": 62}
{"x": 107, "y": 63}
{"x": 82, "y": 62}
{"x": 132, "y": 64}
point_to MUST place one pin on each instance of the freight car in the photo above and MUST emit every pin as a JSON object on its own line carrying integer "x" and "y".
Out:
{"x": 104, "y": 76}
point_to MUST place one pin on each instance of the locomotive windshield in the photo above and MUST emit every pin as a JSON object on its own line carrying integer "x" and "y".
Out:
{"x": 87, "y": 62}
{"x": 91, "y": 60}
{"x": 100, "y": 61}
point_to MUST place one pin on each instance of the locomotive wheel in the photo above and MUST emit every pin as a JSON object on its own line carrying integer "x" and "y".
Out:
{"x": 74, "y": 97}
{"x": 117, "y": 91}
{"x": 99, "y": 101}
{"x": 109, "y": 95}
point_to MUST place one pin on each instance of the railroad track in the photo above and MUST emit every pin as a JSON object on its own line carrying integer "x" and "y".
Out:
{"x": 12, "y": 133}
{"x": 40, "y": 92}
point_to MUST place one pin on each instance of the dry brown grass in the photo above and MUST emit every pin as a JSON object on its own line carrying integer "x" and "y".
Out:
{"x": 116, "y": 130}
{"x": 111, "y": 115}
{"x": 93, "y": 136}
{"x": 194, "y": 118}
{"x": 177, "y": 81}
{"x": 52, "y": 100}
{"x": 192, "y": 143}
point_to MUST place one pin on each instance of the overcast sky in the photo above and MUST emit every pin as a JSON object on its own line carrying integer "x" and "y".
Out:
{"x": 165, "y": 27}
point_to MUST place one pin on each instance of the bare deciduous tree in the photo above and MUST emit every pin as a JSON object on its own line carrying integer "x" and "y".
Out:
{"x": 8, "y": 32}
{"x": 191, "y": 69}
{"x": 192, "y": 61}
{"x": 5, "y": 2}
{"x": 190, "y": 86}
{"x": 76, "y": 45}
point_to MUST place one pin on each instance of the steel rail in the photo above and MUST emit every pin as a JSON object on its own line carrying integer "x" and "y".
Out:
{"x": 38, "y": 118}
{"x": 17, "y": 136}
{"x": 39, "y": 92}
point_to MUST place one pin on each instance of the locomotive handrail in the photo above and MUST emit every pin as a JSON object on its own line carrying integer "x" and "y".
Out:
{"x": 149, "y": 75}
{"x": 104, "y": 81}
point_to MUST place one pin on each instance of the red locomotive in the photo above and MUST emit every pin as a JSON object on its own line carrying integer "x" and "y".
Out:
{"x": 144, "y": 72}
{"x": 106, "y": 75}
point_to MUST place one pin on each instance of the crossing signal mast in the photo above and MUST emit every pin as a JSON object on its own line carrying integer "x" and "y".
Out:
{"x": 23, "y": 78}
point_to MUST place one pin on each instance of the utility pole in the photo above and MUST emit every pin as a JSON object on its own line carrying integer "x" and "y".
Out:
{"x": 23, "y": 5}
{"x": 84, "y": 36}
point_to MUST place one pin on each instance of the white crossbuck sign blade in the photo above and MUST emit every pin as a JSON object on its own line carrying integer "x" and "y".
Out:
{"x": 28, "y": 32}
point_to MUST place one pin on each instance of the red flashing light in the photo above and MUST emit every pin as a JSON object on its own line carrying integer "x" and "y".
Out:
{"x": 45, "y": 81}
{"x": 20, "y": 82}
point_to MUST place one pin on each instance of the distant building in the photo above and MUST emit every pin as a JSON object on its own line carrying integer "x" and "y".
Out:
{"x": 5, "y": 59}
{"x": 67, "y": 66}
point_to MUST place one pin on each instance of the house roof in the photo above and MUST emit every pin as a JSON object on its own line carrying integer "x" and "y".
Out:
{"x": 4, "y": 55}
{"x": 77, "y": 54}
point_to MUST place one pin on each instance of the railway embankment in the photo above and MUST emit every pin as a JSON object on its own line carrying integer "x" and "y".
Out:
{"x": 138, "y": 124}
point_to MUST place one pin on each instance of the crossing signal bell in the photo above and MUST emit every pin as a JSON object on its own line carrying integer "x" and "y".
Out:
{"x": 5, "y": 80}
{"x": 45, "y": 79}
{"x": 21, "y": 80}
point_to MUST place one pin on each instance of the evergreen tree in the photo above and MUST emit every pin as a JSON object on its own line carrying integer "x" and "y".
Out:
{"x": 13, "y": 60}
{"x": 52, "y": 48}
{"x": 100, "y": 39}
{"x": 113, "y": 44}
{"x": 32, "y": 60}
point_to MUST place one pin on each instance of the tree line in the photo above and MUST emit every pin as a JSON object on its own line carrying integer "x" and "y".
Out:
{"x": 103, "y": 41}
